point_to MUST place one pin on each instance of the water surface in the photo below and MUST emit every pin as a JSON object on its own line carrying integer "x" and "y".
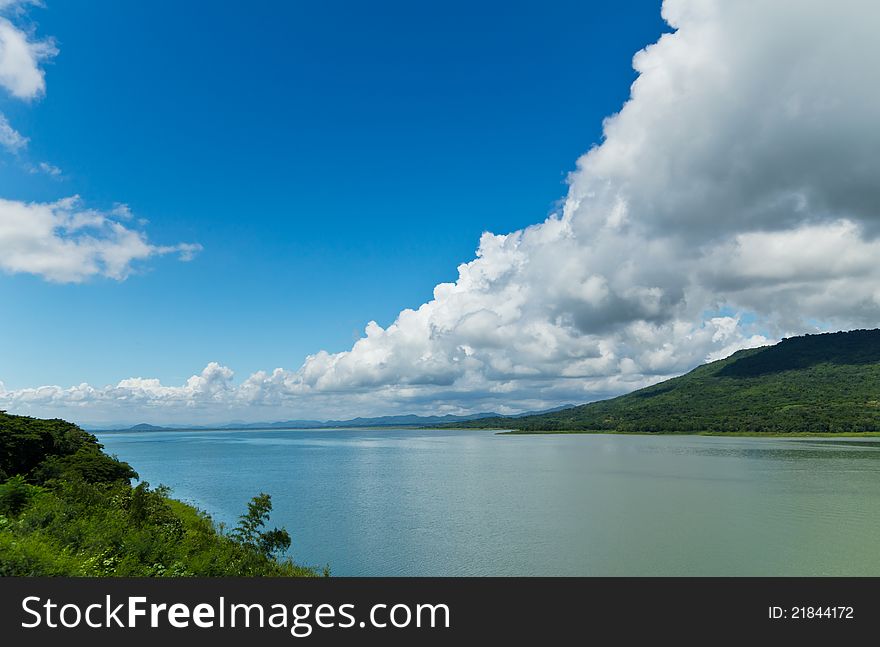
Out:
{"x": 427, "y": 502}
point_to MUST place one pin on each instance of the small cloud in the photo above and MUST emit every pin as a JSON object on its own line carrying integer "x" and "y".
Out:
{"x": 63, "y": 242}
{"x": 17, "y": 6}
{"x": 10, "y": 138}
{"x": 20, "y": 59}
{"x": 187, "y": 251}
{"x": 43, "y": 167}
{"x": 49, "y": 169}
{"x": 122, "y": 211}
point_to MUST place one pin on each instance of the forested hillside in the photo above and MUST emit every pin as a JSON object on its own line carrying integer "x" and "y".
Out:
{"x": 66, "y": 508}
{"x": 828, "y": 383}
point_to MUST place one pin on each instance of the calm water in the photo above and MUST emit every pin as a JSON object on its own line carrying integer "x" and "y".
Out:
{"x": 403, "y": 502}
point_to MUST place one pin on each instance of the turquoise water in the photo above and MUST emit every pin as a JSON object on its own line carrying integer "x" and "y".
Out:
{"x": 404, "y": 502}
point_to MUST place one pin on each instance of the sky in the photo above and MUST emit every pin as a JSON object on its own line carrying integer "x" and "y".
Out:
{"x": 272, "y": 210}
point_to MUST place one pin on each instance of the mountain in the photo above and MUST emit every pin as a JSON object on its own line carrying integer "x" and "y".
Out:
{"x": 382, "y": 421}
{"x": 826, "y": 383}
{"x": 526, "y": 414}
{"x": 406, "y": 420}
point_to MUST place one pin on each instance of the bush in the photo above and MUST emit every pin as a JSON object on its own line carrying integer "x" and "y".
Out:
{"x": 15, "y": 495}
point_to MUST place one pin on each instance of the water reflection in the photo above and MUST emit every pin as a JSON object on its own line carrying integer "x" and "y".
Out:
{"x": 423, "y": 502}
{"x": 773, "y": 449}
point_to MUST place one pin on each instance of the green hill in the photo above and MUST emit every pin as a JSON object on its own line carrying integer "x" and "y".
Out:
{"x": 67, "y": 508}
{"x": 828, "y": 383}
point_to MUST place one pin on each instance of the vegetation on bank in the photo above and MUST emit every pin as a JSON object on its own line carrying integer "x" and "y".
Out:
{"x": 711, "y": 434}
{"x": 826, "y": 384}
{"x": 67, "y": 508}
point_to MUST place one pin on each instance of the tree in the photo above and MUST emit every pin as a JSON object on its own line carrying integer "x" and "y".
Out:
{"x": 248, "y": 531}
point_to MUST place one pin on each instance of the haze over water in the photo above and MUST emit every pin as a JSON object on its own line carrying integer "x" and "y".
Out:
{"x": 428, "y": 502}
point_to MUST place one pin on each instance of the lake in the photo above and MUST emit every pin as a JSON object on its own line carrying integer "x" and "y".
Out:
{"x": 444, "y": 503}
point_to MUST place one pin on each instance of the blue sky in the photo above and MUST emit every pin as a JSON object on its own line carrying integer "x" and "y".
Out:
{"x": 336, "y": 160}
{"x": 324, "y": 210}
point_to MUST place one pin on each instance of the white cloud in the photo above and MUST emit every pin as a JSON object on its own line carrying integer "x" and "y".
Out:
{"x": 49, "y": 169}
{"x": 10, "y": 138}
{"x": 59, "y": 241}
{"x": 65, "y": 243}
{"x": 732, "y": 200}
{"x": 17, "y": 6}
{"x": 20, "y": 71}
{"x": 20, "y": 59}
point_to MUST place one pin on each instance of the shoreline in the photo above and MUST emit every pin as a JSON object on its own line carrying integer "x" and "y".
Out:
{"x": 504, "y": 431}
{"x": 713, "y": 434}
{"x": 209, "y": 429}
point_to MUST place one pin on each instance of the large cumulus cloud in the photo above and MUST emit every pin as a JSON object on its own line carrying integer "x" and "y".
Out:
{"x": 733, "y": 200}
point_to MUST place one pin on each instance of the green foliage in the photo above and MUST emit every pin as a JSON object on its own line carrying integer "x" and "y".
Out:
{"x": 42, "y": 450}
{"x": 826, "y": 383}
{"x": 87, "y": 463}
{"x": 85, "y": 519}
{"x": 15, "y": 493}
{"x": 249, "y": 531}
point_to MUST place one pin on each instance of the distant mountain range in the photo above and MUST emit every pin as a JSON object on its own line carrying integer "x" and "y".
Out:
{"x": 828, "y": 383}
{"x": 381, "y": 421}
